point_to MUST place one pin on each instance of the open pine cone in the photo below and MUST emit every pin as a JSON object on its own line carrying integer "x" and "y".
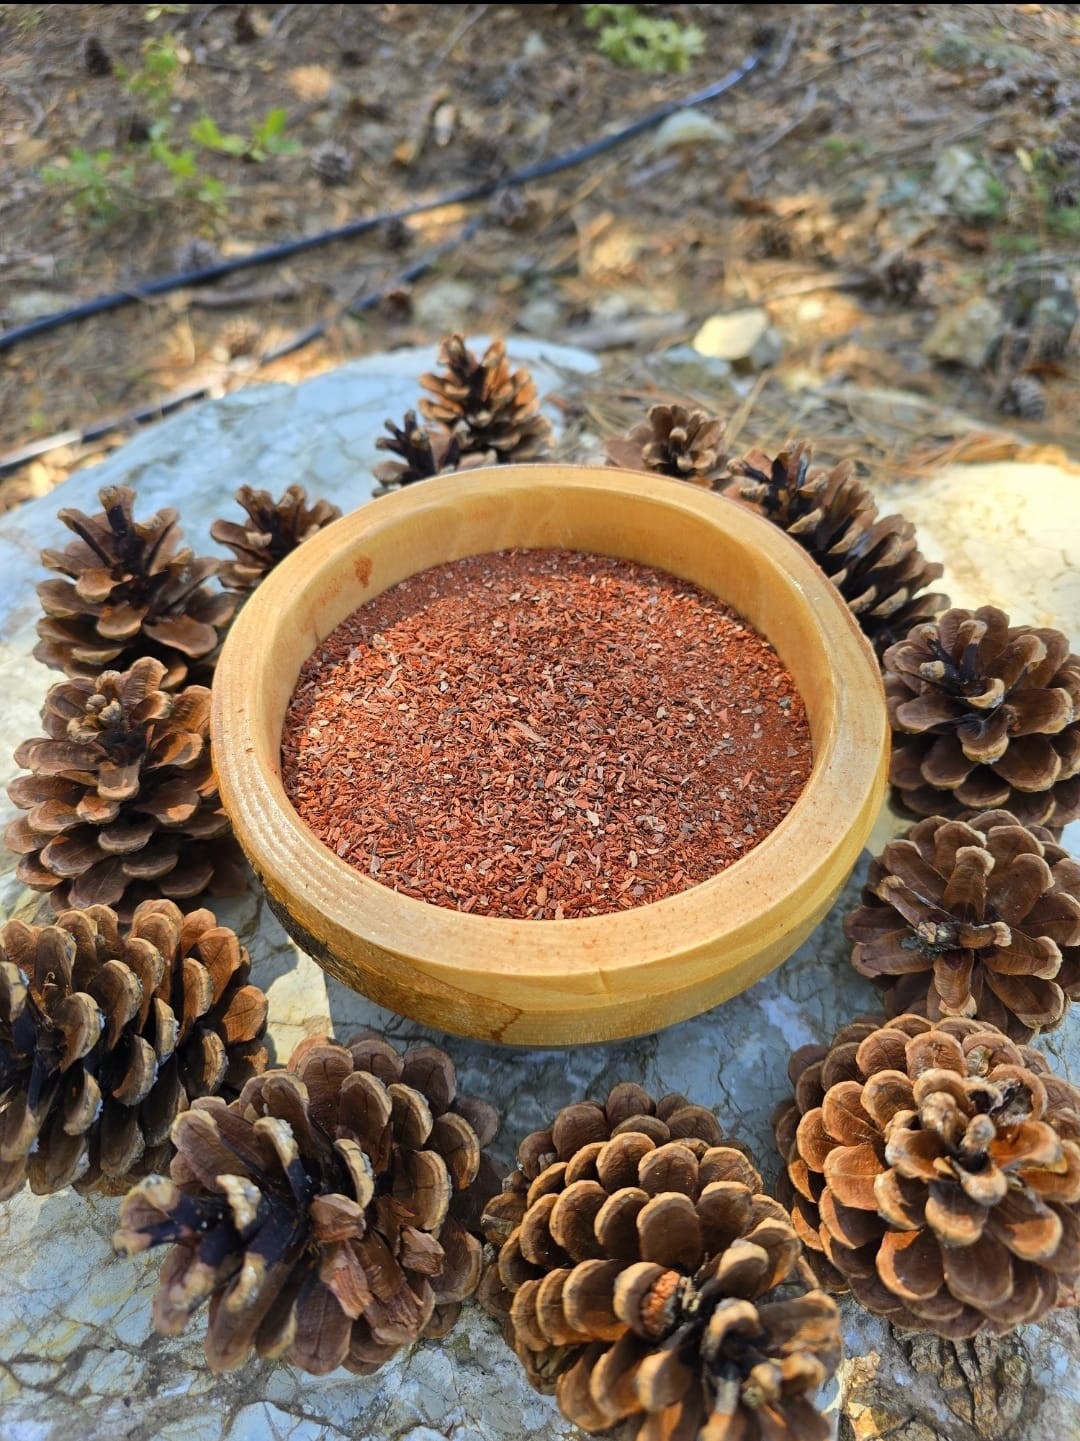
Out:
{"x": 107, "y": 1035}
{"x": 121, "y": 796}
{"x": 636, "y": 1257}
{"x": 325, "y": 1213}
{"x": 275, "y": 528}
{"x": 685, "y": 444}
{"x": 934, "y": 1170}
{"x": 978, "y": 918}
{"x": 486, "y": 405}
{"x": 130, "y": 592}
{"x": 872, "y": 560}
{"x": 985, "y": 715}
{"x": 424, "y": 451}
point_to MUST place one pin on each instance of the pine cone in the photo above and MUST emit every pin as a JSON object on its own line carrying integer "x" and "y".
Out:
{"x": 240, "y": 337}
{"x": 976, "y": 919}
{"x": 245, "y": 31}
{"x": 195, "y": 253}
{"x": 872, "y": 560}
{"x": 130, "y": 593}
{"x": 635, "y": 1254}
{"x": 935, "y": 1171}
{"x": 997, "y": 90}
{"x": 106, "y": 1036}
{"x": 1024, "y": 397}
{"x": 985, "y": 716}
{"x": 275, "y": 529}
{"x": 685, "y": 444}
{"x": 95, "y": 59}
{"x": 900, "y": 276}
{"x": 424, "y": 451}
{"x": 121, "y": 795}
{"x": 485, "y": 405}
{"x": 325, "y": 1213}
{"x": 332, "y": 163}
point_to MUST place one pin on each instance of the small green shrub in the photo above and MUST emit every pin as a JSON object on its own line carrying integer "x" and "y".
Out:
{"x": 95, "y": 182}
{"x": 657, "y": 47}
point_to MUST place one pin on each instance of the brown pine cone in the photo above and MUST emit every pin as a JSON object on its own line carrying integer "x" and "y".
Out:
{"x": 985, "y": 716}
{"x": 685, "y": 444}
{"x": 978, "y": 918}
{"x": 636, "y": 1255}
{"x": 130, "y": 593}
{"x": 121, "y": 795}
{"x": 424, "y": 450}
{"x": 899, "y": 276}
{"x": 325, "y": 1213}
{"x": 275, "y": 528}
{"x": 934, "y": 1170}
{"x": 872, "y": 560}
{"x": 485, "y": 405}
{"x": 107, "y": 1035}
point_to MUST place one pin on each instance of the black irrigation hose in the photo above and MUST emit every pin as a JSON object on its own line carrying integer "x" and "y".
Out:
{"x": 159, "y": 409}
{"x": 480, "y": 191}
{"x": 362, "y": 302}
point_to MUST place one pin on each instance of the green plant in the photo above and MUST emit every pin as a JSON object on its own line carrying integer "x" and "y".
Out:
{"x": 188, "y": 179}
{"x": 94, "y": 181}
{"x": 1016, "y": 244}
{"x": 25, "y": 19}
{"x": 1065, "y": 221}
{"x": 154, "y": 81}
{"x": 655, "y": 46}
{"x": 267, "y": 138}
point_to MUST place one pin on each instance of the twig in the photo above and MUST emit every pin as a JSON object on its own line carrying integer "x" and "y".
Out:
{"x": 635, "y": 330}
{"x": 361, "y": 301}
{"x": 734, "y": 426}
{"x": 463, "y": 28}
{"x": 785, "y": 130}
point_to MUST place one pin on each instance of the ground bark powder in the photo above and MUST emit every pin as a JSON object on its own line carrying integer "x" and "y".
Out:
{"x": 544, "y": 735}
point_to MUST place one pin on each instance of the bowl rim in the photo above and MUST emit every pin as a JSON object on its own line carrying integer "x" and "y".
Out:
{"x": 846, "y": 770}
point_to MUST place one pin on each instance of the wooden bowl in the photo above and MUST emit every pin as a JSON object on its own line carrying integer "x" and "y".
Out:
{"x": 555, "y": 983}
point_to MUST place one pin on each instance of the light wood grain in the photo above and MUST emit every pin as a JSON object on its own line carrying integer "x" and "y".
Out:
{"x": 555, "y": 982}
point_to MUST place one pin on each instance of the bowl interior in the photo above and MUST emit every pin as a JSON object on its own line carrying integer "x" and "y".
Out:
{"x": 375, "y": 938}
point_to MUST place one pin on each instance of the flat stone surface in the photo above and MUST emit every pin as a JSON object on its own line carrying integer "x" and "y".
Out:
{"x": 78, "y": 1357}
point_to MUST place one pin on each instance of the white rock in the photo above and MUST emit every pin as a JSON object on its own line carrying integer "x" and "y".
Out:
{"x": 743, "y": 337}
{"x": 534, "y": 46}
{"x": 965, "y": 334}
{"x": 542, "y": 315}
{"x": 689, "y": 127}
{"x": 967, "y": 184}
{"x": 444, "y": 305}
{"x": 20, "y": 305}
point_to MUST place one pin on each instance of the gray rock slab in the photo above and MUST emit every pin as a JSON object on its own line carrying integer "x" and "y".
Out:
{"x": 78, "y": 1357}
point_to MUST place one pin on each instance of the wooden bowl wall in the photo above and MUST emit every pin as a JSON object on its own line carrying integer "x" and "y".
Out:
{"x": 555, "y": 982}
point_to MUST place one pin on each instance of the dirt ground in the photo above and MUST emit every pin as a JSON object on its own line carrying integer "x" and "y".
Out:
{"x": 887, "y": 175}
